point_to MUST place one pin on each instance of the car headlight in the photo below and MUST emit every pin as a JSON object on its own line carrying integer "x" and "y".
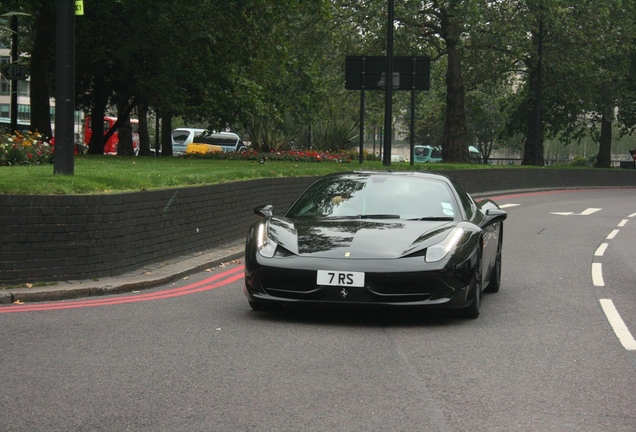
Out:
{"x": 264, "y": 245}
{"x": 440, "y": 250}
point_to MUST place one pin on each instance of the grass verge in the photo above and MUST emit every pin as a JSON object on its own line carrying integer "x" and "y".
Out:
{"x": 97, "y": 174}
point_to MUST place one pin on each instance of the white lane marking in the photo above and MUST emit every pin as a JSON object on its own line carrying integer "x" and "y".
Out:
{"x": 622, "y": 223}
{"x": 590, "y": 211}
{"x": 618, "y": 325}
{"x": 611, "y": 235}
{"x": 597, "y": 275}
{"x": 503, "y": 206}
{"x": 601, "y": 249}
{"x": 632, "y": 215}
{"x": 585, "y": 212}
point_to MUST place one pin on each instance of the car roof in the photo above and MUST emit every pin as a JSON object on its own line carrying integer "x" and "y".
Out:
{"x": 418, "y": 174}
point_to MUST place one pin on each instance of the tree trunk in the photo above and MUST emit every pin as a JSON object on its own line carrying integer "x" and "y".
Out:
{"x": 144, "y": 135}
{"x": 604, "y": 157}
{"x": 533, "y": 146}
{"x": 455, "y": 140}
{"x": 166, "y": 134}
{"x": 97, "y": 141}
{"x": 41, "y": 65}
{"x": 125, "y": 145}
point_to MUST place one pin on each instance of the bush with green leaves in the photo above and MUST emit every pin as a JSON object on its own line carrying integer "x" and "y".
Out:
{"x": 335, "y": 135}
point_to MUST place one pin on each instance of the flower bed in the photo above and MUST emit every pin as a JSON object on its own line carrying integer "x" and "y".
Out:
{"x": 28, "y": 149}
{"x": 288, "y": 155}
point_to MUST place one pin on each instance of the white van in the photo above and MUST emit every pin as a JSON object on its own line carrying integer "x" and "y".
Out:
{"x": 181, "y": 137}
{"x": 227, "y": 141}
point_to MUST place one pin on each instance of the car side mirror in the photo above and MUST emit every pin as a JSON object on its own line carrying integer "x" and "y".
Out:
{"x": 264, "y": 211}
{"x": 494, "y": 215}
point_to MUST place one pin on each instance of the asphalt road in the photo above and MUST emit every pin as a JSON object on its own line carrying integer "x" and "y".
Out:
{"x": 547, "y": 353}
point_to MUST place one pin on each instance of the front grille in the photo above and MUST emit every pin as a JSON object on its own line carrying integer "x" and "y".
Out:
{"x": 379, "y": 287}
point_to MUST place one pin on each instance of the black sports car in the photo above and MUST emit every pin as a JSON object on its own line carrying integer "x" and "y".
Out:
{"x": 393, "y": 238}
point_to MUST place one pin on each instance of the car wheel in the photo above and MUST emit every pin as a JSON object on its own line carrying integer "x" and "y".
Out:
{"x": 495, "y": 280}
{"x": 472, "y": 311}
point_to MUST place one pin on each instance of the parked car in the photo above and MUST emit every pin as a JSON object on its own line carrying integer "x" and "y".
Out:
{"x": 391, "y": 238}
{"x": 226, "y": 141}
{"x": 181, "y": 137}
{"x": 397, "y": 158}
{"x": 426, "y": 153}
{"x": 196, "y": 148}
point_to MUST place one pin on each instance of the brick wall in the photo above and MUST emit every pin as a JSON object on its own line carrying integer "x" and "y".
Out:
{"x": 48, "y": 238}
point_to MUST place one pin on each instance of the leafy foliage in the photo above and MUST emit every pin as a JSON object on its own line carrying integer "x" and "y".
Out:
{"x": 335, "y": 135}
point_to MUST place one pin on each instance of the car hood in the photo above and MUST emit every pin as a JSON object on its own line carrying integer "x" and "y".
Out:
{"x": 356, "y": 238}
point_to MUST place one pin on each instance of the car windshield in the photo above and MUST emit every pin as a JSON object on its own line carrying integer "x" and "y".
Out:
{"x": 380, "y": 196}
{"x": 179, "y": 137}
{"x": 422, "y": 151}
{"x": 222, "y": 140}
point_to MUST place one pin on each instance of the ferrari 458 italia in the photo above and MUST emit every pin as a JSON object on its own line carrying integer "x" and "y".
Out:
{"x": 391, "y": 238}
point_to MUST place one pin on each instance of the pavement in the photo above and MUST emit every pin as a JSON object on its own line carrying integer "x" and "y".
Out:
{"x": 145, "y": 277}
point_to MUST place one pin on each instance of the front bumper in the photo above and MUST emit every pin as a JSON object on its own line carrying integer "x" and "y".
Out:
{"x": 400, "y": 282}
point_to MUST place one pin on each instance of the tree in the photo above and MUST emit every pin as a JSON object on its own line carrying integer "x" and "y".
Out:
{"x": 42, "y": 65}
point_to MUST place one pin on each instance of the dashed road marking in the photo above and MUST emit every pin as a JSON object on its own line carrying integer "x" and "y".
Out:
{"x": 618, "y": 325}
{"x": 611, "y": 235}
{"x": 597, "y": 275}
{"x": 503, "y": 206}
{"x": 601, "y": 249}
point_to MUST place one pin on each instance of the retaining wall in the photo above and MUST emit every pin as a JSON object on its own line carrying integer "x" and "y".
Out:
{"x": 49, "y": 238}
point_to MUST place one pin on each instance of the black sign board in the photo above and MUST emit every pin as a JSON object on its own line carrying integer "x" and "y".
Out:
{"x": 369, "y": 73}
{"x": 13, "y": 71}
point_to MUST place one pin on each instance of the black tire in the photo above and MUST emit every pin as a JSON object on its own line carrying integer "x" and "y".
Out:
{"x": 495, "y": 279}
{"x": 472, "y": 311}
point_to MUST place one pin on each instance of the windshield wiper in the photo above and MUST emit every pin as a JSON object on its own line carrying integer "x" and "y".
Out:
{"x": 434, "y": 218}
{"x": 366, "y": 216}
{"x": 379, "y": 216}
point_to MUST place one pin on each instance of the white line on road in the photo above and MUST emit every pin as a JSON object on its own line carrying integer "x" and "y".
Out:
{"x": 612, "y": 234}
{"x": 503, "y": 206}
{"x": 590, "y": 211}
{"x": 622, "y": 223}
{"x": 597, "y": 275}
{"x": 632, "y": 215}
{"x": 617, "y": 323}
{"x": 585, "y": 212}
{"x": 601, "y": 249}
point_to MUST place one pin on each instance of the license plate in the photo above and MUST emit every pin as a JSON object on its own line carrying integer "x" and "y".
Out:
{"x": 340, "y": 278}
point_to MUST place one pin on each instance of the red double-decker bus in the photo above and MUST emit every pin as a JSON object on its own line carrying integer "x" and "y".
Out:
{"x": 110, "y": 148}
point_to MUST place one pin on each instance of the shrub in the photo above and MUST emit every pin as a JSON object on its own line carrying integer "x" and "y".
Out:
{"x": 289, "y": 155}
{"x": 335, "y": 135}
{"x": 580, "y": 161}
{"x": 28, "y": 149}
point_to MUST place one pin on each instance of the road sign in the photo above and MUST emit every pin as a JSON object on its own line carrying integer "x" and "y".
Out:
{"x": 13, "y": 72}
{"x": 369, "y": 72}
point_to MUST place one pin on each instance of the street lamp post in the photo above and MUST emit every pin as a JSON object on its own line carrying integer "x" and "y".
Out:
{"x": 388, "y": 96}
{"x": 14, "y": 81}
